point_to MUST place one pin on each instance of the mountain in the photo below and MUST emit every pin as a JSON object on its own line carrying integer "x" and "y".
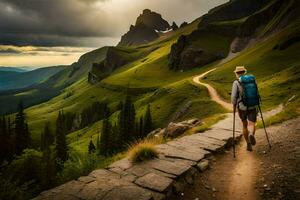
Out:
{"x": 145, "y": 30}
{"x": 230, "y": 28}
{"x": 49, "y": 85}
{"x": 14, "y": 69}
{"x": 17, "y": 80}
{"x": 160, "y": 72}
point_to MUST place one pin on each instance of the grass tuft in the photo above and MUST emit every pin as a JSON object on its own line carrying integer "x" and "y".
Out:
{"x": 143, "y": 150}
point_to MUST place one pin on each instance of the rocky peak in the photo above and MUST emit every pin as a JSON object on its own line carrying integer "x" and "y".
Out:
{"x": 152, "y": 20}
{"x": 145, "y": 29}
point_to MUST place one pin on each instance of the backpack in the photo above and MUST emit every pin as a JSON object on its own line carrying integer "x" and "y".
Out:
{"x": 250, "y": 96}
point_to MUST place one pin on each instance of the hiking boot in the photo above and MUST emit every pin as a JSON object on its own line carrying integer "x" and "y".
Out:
{"x": 252, "y": 139}
{"x": 249, "y": 147}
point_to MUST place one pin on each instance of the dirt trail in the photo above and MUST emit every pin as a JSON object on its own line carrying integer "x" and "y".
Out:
{"x": 261, "y": 174}
{"x": 212, "y": 91}
{"x": 228, "y": 178}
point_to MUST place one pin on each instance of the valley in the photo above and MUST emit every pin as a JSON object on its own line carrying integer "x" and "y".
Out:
{"x": 161, "y": 72}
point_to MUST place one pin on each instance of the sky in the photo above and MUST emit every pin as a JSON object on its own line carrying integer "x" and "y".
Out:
{"x": 39, "y": 33}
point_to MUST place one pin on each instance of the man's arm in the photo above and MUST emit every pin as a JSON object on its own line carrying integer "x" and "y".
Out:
{"x": 234, "y": 94}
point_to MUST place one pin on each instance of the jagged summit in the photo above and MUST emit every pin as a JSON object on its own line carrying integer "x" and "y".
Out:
{"x": 145, "y": 30}
{"x": 152, "y": 20}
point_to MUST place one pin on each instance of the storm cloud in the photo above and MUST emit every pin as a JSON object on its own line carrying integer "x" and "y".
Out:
{"x": 84, "y": 22}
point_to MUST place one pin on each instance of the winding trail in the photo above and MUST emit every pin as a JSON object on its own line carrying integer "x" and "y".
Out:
{"x": 234, "y": 179}
{"x": 212, "y": 91}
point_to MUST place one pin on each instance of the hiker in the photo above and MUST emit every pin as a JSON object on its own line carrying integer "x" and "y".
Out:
{"x": 245, "y": 99}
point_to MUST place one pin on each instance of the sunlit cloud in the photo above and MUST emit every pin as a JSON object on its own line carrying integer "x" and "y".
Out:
{"x": 62, "y": 30}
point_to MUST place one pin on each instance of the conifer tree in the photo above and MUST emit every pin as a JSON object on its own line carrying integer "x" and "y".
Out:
{"x": 148, "y": 126}
{"x": 105, "y": 137}
{"x": 49, "y": 167}
{"x": 61, "y": 148}
{"x": 22, "y": 135}
{"x": 92, "y": 147}
{"x": 127, "y": 121}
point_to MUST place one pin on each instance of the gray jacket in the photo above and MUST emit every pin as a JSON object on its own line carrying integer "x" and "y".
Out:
{"x": 236, "y": 96}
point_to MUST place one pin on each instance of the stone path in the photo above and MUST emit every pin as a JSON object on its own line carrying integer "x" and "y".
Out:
{"x": 178, "y": 163}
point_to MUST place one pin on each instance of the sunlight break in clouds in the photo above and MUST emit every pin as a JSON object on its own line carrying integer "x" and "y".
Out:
{"x": 78, "y": 23}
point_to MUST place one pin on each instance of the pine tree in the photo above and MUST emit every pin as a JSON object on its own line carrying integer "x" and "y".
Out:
{"x": 148, "y": 126}
{"x": 22, "y": 135}
{"x": 105, "y": 137}
{"x": 92, "y": 147}
{"x": 127, "y": 121}
{"x": 61, "y": 148}
{"x": 49, "y": 167}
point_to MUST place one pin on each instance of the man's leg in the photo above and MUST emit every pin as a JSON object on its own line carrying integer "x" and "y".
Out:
{"x": 252, "y": 127}
{"x": 245, "y": 130}
{"x": 252, "y": 115}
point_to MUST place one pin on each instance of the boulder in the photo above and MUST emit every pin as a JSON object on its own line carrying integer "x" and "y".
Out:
{"x": 156, "y": 133}
{"x": 203, "y": 165}
{"x": 174, "y": 130}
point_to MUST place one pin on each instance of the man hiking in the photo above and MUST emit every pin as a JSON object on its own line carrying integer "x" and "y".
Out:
{"x": 245, "y": 99}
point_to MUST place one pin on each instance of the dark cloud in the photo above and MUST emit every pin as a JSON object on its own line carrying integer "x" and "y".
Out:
{"x": 83, "y": 22}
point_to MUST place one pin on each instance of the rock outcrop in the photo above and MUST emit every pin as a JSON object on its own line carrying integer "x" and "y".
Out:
{"x": 145, "y": 30}
{"x": 241, "y": 22}
{"x": 258, "y": 25}
{"x": 185, "y": 56}
{"x": 174, "y": 130}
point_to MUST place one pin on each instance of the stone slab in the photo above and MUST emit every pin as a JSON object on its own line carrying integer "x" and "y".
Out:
{"x": 200, "y": 136}
{"x": 155, "y": 182}
{"x": 184, "y": 146}
{"x": 200, "y": 144}
{"x": 173, "y": 152}
{"x": 175, "y": 168}
{"x": 224, "y": 135}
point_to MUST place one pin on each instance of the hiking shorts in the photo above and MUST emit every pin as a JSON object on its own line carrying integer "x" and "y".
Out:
{"x": 251, "y": 115}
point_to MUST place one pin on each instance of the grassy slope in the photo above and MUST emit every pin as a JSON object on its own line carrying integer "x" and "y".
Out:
{"x": 175, "y": 91}
{"x": 277, "y": 71}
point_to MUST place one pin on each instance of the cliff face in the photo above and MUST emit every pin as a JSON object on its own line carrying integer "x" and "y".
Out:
{"x": 139, "y": 34}
{"x": 145, "y": 29}
{"x": 241, "y": 22}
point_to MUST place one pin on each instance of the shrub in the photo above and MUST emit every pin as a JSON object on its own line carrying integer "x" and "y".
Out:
{"x": 144, "y": 150}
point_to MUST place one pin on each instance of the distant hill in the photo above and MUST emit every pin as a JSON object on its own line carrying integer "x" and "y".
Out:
{"x": 145, "y": 30}
{"x": 22, "y": 79}
{"x": 45, "y": 83}
{"x": 14, "y": 69}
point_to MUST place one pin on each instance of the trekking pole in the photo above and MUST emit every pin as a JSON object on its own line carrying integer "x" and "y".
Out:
{"x": 233, "y": 133}
{"x": 262, "y": 119}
